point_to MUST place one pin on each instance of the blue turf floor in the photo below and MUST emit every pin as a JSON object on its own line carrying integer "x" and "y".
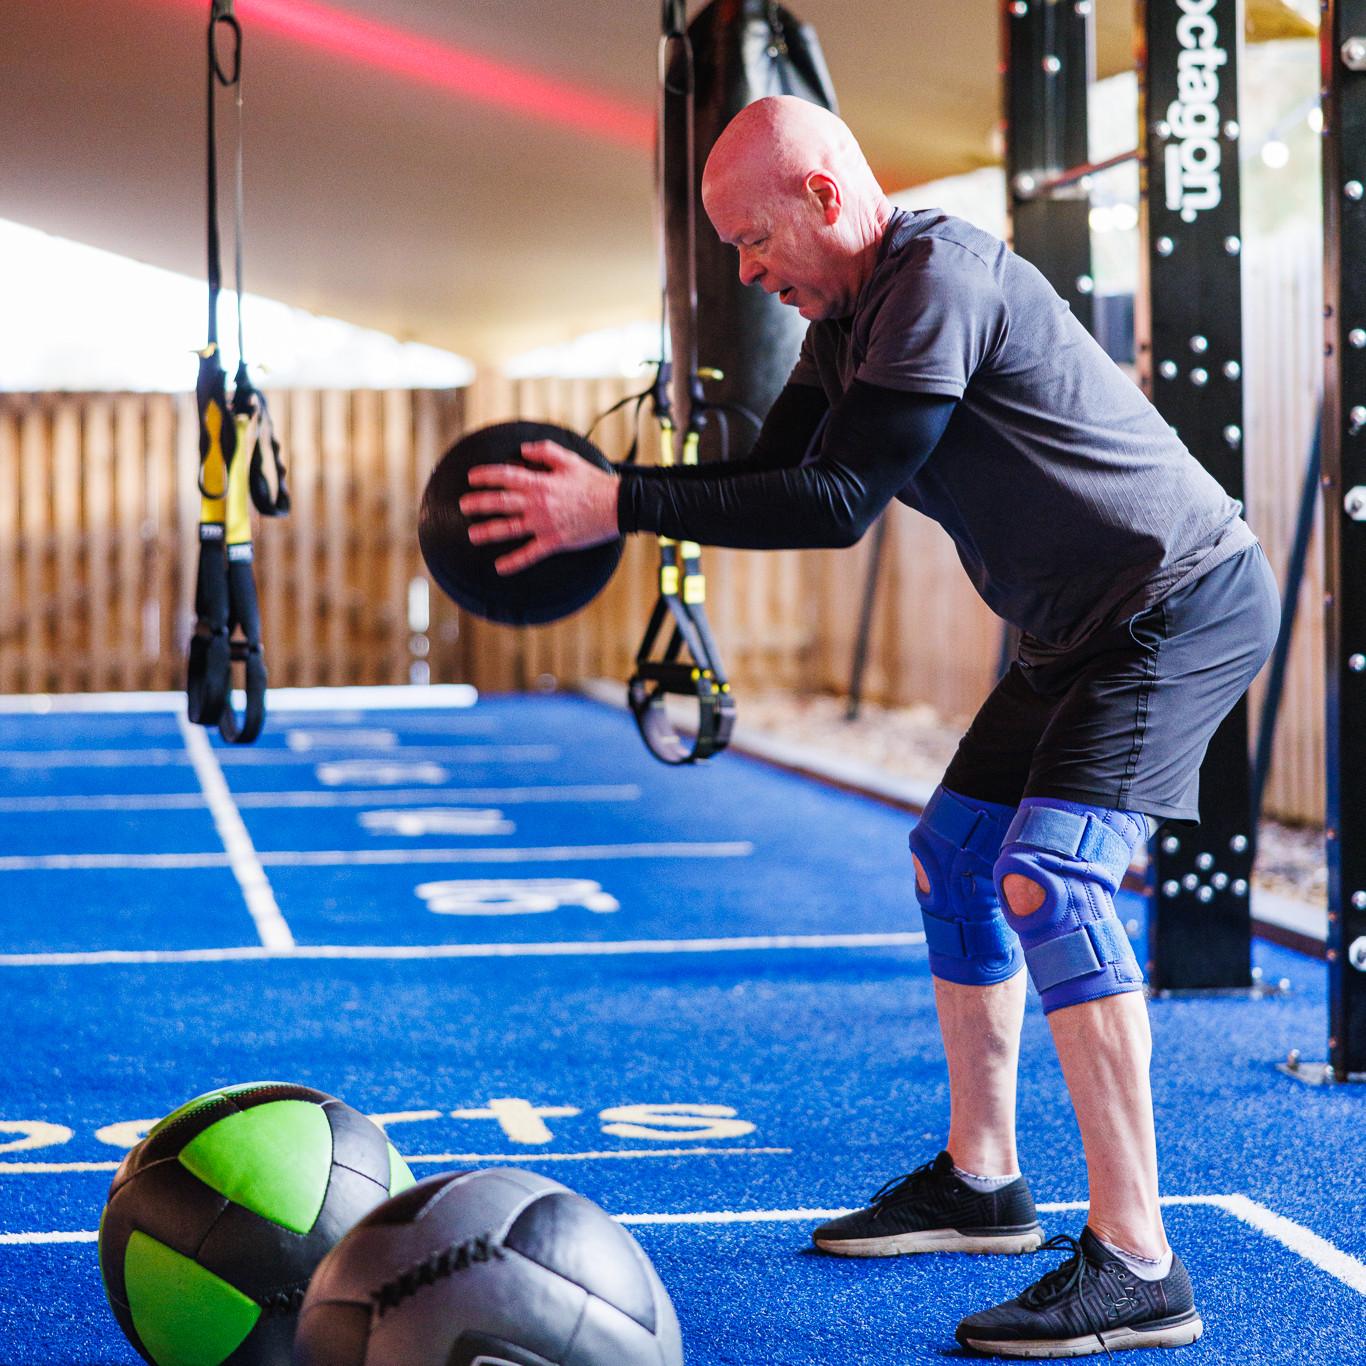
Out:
{"x": 832, "y": 1055}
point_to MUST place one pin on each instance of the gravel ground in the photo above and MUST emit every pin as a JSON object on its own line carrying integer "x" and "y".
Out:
{"x": 916, "y": 742}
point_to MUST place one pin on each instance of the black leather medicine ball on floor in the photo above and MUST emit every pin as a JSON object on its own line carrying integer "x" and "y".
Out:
{"x": 547, "y": 591}
{"x": 497, "y": 1266}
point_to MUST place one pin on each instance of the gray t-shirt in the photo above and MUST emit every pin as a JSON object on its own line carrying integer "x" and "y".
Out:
{"x": 1072, "y": 503}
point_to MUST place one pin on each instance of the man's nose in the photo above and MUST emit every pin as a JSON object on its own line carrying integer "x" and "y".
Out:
{"x": 750, "y": 269}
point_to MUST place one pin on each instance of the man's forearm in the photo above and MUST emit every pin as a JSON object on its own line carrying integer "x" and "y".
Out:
{"x": 874, "y": 443}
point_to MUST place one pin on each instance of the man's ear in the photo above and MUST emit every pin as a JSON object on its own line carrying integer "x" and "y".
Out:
{"x": 826, "y": 193}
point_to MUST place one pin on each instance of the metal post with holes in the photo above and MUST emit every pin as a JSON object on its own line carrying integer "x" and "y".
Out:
{"x": 1049, "y": 49}
{"x": 1343, "y": 43}
{"x": 1189, "y": 359}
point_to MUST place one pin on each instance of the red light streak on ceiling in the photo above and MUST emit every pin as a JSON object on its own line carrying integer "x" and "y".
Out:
{"x": 460, "y": 73}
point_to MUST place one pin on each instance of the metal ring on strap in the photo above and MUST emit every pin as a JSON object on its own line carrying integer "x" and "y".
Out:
{"x": 655, "y": 680}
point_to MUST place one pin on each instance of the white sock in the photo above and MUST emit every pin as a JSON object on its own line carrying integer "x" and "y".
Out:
{"x": 983, "y": 1185}
{"x": 1145, "y": 1268}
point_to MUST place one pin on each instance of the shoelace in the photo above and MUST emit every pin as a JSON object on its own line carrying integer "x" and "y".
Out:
{"x": 1053, "y": 1285}
{"x": 900, "y": 1188}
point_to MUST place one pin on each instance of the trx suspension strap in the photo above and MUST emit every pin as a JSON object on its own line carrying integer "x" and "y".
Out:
{"x": 233, "y": 470}
{"x": 682, "y": 588}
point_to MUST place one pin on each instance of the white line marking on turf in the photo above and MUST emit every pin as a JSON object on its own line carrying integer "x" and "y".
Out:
{"x": 571, "y": 948}
{"x": 1342, "y": 1266}
{"x": 594, "y": 1157}
{"x": 246, "y": 867}
{"x": 1303, "y": 1242}
{"x": 379, "y": 697}
{"x": 353, "y": 858}
{"x": 151, "y": 801}
{"x": 1296, "y": 1237}
{"x": 51, "y": 1168}
{"x": 83, "y": 1236}
{"x": 188, "y": 801}
{"x": 494, "y": 796}
{"x": 741, "y": 1216}
{"x": 43, "y": 1168}
{"x": 551, "y": 854}
{"x": 24, "y": 863}
{"x": 271, "y": 757}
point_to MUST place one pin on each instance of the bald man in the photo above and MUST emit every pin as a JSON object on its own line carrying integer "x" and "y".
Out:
{"x": 943, "y": 370}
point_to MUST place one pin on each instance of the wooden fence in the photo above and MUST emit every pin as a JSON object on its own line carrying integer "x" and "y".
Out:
{"x": 98, "y": 517}
{"x": 98, "y": 511}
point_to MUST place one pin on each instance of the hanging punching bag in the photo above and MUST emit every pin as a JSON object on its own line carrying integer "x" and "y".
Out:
{"x": 741, "y": 51}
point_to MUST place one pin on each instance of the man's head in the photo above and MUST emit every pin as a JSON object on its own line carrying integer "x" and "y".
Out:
{"x": 787, "y": 184}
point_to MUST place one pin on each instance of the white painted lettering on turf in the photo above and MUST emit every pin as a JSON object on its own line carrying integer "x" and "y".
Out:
{"x": 36, "y": 1133}
{"x": 126, "y": 1133}
{"x": 301, "y": 740}
{"x": 678, "y": 1121}
{"x": 379, "y": 772}
{"x": 439, "y": 820}
{"x": 519, "y": 1119}
{"x": 242, "y": 857}
{"x": 515, "y": 896}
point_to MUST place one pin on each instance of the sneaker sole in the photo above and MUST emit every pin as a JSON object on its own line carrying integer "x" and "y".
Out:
{"x": 935, "y": 1240}
{"x": 1180, "y": 1333}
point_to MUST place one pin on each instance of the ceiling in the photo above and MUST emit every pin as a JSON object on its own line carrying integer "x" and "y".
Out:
{"x": 388, "y": 201}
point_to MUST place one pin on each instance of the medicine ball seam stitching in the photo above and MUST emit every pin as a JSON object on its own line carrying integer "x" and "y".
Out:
{"x": 283, "y": 1301}
{"x": 439, "y": 1266}
{"x": 578, "y": 1323}
{"x": 355, "y": 1171}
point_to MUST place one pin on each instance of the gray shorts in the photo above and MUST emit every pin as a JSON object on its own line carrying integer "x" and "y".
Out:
{"x": 1123, "y": 720}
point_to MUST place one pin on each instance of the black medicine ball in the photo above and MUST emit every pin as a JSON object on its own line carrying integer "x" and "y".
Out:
{"x": 498, "y": 1267}
{"x": 549, "y": 590}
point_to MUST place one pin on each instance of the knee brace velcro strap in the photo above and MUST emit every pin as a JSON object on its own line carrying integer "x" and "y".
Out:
{"x": 1074, "y": 945}
{"x": 1084, "y": 951}
{"x": 1085, "y": 837}
{"x": 976, "y": 827}
{"x": 967, "y": 938}
{"x": 957, "y": 840}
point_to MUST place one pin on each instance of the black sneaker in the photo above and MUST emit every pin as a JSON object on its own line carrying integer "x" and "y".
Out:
{"x": 1092, "y": 1303}
{"x": 931, "y": 1210}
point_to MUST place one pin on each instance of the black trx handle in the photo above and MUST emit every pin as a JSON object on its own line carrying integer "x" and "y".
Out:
{"x": 682, "y": 596}
{"x": 704, "y": 679}
{"x": 230, "y": 479}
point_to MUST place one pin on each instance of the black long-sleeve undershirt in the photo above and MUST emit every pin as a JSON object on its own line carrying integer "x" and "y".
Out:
{"x": 874, "y": 442}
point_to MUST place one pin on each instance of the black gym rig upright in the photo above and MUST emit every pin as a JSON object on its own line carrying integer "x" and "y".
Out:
{"x": 1342, "y": 38}
{"x": 1189, "y": 359}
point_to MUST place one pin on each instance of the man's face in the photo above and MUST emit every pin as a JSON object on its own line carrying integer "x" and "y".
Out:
{"x": 786, "y": 248}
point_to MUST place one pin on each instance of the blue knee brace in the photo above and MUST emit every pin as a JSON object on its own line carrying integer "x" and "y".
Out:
{"x": 957, "y": 841}
{"x": 1074, "y": 944}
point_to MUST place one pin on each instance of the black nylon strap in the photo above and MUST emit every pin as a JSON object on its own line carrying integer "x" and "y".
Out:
{"x": 225, "y": 590}
{"x": 704, "y": 678}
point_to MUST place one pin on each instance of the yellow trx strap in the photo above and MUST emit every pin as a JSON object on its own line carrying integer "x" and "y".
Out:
{"x": 232, "y": 472}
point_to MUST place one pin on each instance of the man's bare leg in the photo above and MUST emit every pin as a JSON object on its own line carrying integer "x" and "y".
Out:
{"x": 1105, "y": 1047}
{"x": 981, "y": 1029}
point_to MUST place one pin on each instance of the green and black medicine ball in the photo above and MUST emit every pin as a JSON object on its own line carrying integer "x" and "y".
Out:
{"x": 216, "y": 1221}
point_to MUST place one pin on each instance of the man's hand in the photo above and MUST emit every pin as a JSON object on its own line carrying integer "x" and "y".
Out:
{"x": 573, "y": 504}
